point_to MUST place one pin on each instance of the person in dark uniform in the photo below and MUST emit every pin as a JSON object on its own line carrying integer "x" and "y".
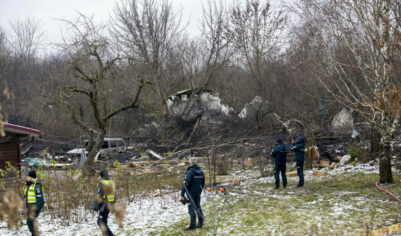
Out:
{"x": 105, "y": 199}
{"x": 280, "y": 158}
{"x": 192, "y": 187}
{"x": 34, "y": 201}
{"x": 299, "y": 149}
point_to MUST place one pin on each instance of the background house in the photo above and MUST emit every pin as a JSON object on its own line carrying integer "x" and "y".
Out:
{"x": 11, "y": 144}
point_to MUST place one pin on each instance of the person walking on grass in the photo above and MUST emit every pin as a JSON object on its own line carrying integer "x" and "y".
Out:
{"x": 104, "y": 201}
{"x": 192, "y": 187}
{"x": 34, "y": 201}
{"x": 280, "y": 158}
{"x": 299, "y": 149}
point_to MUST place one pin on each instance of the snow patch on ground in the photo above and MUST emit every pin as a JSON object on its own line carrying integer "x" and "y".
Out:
{"x": 149, "y": 215}
{"x": 142, "y": 218}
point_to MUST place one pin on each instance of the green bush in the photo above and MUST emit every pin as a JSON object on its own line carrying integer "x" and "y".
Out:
{"x": 354, "y": 151}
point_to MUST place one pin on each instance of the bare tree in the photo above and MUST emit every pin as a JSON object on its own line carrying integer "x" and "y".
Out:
{"x": 94, "y": 67}
{"x": 147, "y": 31}
{"x": 26, "y": 37}
{"x": 5, "y": 95}
{"x": 217, "y": 39}
{"x": 359, "y": 51}
{"x": 255, "y": 30}
{"x": 205, "y": 57}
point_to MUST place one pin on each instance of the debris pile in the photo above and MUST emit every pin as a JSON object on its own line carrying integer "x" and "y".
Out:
{"x": 190, "y": 106}
{"x": 343, "y": 119}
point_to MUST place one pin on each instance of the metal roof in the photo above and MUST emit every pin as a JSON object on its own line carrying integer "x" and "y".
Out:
{"x": 17, "y": 129}
{"x": 190, "y": 91}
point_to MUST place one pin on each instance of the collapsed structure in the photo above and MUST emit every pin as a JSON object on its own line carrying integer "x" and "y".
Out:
{"x": 192, "y": 104}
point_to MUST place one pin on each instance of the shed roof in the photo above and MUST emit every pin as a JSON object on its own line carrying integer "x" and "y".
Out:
{"x": 190, "y": 91}
{"x": 17, "y": 129}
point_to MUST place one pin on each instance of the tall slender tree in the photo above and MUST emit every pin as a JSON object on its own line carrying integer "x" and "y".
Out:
{"x": 358, "y": 43}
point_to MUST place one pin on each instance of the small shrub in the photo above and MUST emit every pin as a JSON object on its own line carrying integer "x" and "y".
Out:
{"x": 354, "y": 151}
{"x": 261, "y": 163}
{"x": 67, "y": 192}
{"x": 224, "y": 164}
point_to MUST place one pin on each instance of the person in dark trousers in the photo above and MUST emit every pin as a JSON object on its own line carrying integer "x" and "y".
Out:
{"x": 299, "y": 149}
{"x": 105, "y": 198}
{"x": 280, "y": 158}
{"x": 193, "y": 185}
{"x": 34, "y": 201}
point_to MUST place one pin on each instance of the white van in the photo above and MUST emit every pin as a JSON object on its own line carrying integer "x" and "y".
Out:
{"x": 111, "y": 145}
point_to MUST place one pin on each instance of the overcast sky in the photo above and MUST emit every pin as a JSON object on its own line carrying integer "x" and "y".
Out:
{"x": 49, "y": 13}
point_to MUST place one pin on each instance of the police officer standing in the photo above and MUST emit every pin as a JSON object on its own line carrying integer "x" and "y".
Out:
{"x": 34, "y": 201}
{"x": 299, "y": 149}
{"x": 105, "y": 190}
{"x": 193, "y": 184}
{"x": 280, "y": 155}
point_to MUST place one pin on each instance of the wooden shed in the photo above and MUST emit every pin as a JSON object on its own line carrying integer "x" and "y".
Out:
{"x": 10, "y": 144}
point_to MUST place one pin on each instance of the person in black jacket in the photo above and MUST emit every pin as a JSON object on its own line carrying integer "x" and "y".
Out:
{"x": 34, "y": 201}
{"x": 280, "y": 155}
{"x": 192, "y": 187}
{"x": 299, "y": 149}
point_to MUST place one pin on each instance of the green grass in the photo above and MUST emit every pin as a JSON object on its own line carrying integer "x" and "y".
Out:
{"x": 348, "y": 203}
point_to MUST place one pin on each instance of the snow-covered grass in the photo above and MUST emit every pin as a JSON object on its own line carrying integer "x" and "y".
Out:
{"x": 142, "y": 217}
{"x": 344, "y": 202}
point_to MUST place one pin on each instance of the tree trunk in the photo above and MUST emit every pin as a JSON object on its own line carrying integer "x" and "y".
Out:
{"x": 89, "y": 164}
{"x": 385, "y": 163}
{"x": 309, "y": 142}
{"x": 375, "y": 147}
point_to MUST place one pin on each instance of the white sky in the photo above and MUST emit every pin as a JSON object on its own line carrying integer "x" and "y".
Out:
{"x": 49, "y": 13}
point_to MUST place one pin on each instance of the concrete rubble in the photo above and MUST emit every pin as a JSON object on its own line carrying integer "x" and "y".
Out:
{"x": 257, "y": 107}
{"x": 204, "y": 104}
{"x": 343, "y": 119}
{"x": 345, "y": 159}
{"x": 153, "y": 154}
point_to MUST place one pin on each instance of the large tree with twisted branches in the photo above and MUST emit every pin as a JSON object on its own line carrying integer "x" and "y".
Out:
{"x": 94, "y": 68}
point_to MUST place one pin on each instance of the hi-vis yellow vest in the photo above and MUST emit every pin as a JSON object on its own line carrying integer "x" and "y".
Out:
{"x": 109, "y": 197}
{"x": 31, "y": 196}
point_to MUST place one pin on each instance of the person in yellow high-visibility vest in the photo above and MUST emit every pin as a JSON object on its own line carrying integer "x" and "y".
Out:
{"x": 105, "y": 198}
{"x": 34, "y": 201}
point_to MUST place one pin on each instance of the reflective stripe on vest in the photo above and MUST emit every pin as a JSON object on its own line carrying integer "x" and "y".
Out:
{"x": 109, "y": 197}
{"x": 31, "y": 196}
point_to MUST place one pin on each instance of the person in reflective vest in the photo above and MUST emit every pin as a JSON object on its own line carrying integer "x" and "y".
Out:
{"x": 34, "y": 200}
{"x": 105, "y": 196}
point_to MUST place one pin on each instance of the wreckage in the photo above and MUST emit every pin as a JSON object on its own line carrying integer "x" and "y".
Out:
{"x": 192, "y": 104}
{"x": 199, "y": 123}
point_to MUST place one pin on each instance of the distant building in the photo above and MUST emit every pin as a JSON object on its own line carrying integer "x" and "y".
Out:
{"x": 10, "y": 145}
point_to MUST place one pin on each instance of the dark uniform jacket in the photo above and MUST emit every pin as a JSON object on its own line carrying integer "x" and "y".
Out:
{"x": 40, "y": 202}
{"x": 194, "y": 181}
{"x": 299, "y": 149}
{"x": 279, "y": 153}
